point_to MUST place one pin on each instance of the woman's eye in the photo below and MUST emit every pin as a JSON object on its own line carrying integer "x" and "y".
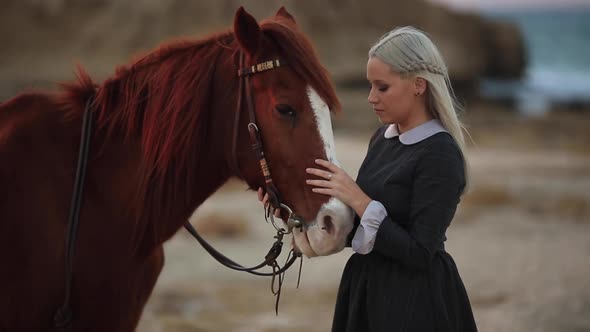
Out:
{"x": 286, "y": 110}
{"x": 380, "y": 88}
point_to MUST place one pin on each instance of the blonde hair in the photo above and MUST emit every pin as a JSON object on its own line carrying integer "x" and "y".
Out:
{"x": 408, "y": 51}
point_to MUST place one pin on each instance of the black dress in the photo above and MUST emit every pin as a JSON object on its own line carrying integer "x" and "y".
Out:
{"x": 408, "y": 282}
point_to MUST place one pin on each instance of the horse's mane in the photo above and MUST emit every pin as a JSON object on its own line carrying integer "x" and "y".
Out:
{"x": 162, "y": 98}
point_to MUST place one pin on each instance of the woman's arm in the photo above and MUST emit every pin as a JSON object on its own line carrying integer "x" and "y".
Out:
{"x": 437, "y": 187}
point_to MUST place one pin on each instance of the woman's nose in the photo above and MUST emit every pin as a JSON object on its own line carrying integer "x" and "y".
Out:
{"x": 371, "y": 98}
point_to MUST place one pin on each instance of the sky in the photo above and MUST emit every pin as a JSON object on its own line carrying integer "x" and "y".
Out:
{"x": 511, "y": 4}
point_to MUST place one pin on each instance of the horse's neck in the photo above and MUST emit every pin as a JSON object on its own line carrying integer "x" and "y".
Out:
{"x": 112, "y": 170}
{"x": 116, "y": 174}
{"x": 112, "y": 176}
{"x": 211, "y": 173}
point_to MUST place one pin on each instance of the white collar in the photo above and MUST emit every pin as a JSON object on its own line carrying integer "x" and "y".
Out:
{"x": 415, "y": 134}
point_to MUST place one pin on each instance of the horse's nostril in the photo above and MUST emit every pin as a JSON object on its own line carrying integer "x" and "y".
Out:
{"x": 328, "y": 225}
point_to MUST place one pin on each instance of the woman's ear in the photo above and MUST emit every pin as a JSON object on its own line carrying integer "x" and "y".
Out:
{"x": 420, "y": 85}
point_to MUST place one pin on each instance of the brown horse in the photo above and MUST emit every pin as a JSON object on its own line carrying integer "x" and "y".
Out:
{"x": 162, "y": 144}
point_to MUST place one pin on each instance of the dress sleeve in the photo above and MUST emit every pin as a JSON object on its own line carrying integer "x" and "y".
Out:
{"x": 376, "y": 135}
{"x": 364, "y": 237}
{"x": 437, "y": 186}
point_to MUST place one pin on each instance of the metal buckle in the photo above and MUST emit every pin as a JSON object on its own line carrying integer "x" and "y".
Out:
{"x": 293, "y": 221}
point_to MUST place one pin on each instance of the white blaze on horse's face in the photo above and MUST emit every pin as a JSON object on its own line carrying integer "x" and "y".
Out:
{"x": 334, "y": 220}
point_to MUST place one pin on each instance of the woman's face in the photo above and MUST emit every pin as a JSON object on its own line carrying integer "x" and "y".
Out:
{"x": 392, "y": 96}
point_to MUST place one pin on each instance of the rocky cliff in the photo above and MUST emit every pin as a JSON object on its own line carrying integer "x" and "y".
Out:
{"x": 41, "y": 39}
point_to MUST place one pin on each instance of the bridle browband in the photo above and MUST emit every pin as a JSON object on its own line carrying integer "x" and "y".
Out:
{"x": 63, "y": 317}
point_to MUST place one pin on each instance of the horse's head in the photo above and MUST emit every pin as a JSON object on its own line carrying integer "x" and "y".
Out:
{"x": 292, "y": 104}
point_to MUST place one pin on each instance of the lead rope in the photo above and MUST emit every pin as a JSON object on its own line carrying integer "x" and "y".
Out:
{"x": 270, "y": 259}
{"x": 276, "y": 291}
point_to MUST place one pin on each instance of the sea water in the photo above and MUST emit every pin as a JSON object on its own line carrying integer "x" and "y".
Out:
{"x": 557, "y": 43}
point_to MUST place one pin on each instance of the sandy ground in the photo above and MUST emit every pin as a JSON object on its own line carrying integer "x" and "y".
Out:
{"x": 521, "y": 240}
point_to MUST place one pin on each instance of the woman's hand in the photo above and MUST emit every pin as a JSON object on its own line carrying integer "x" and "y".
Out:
{"x": 264, "y": 199}
{"x": 337, "y": 183}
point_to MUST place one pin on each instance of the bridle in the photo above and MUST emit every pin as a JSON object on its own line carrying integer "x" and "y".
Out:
{"x": 293, "y": 221}
{"x": 63, "y": 317}
{"x": 244, "y": 73}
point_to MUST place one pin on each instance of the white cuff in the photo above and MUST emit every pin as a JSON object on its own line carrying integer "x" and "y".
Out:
{"x": 364, "y": 238}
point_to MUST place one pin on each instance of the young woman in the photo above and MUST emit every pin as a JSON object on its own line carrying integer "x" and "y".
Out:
{"x": 408, "y": 187}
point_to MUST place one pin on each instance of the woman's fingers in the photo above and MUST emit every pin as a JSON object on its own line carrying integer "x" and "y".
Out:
{"x": 324, "y": 163}
{"x": 260, "y": 194}
{"x": 321, "y": 173}
{"x": 265, "y": 199}
{"x": 323, "y": 191}
{"x": 319, "y": 183}
{"x": 262, "y": 197}
{"x": 328, "y": 173}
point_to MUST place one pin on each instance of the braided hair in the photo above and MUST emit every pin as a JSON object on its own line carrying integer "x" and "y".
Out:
{"x": 410, "y": 52}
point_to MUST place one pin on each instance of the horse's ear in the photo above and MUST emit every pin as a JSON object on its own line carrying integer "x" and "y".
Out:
{"x": 247, "y": 31}
{"x": 283, "y": 13}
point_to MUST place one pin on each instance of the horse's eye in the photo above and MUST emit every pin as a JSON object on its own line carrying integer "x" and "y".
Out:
{"x": 286, "y": 110}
